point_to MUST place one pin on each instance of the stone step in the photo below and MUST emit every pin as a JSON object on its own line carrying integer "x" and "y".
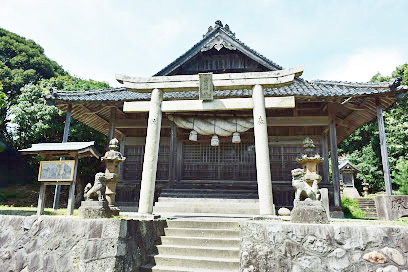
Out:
{"x": 369, "y": 209}
{"x": 216, "y": 182}
{"x": 200, "y": 241}
{"x": 203, "y": 224}
{"x": 128, "y": 208}
{"x": 195, "y": 232}
{"x": 209, "y": 204}
{"x": 157, "y": 268}
{"x": 208, "y": 190}
{"x": 193, "y": 209}
{"x": 212, "y": 200}
{"x": 371, "y": 202}
{"x": 371, "y": 214}
{"x": 213, "y": 252}
{"x": 207, "y": 195}
{"x": 222, "y": 264}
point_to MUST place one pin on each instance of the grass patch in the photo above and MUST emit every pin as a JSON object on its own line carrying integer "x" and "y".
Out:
{"x": 351, "y": 209}
{"x": 27, "y": 211}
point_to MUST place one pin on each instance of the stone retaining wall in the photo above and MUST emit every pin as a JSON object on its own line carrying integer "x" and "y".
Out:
{"x": 51, "y": 243}
{"x": 277, "y": 246}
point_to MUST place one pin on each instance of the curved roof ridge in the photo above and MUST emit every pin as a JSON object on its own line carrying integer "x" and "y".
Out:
{"x": 89, "y": 92}
{"x": 353, "y": 84}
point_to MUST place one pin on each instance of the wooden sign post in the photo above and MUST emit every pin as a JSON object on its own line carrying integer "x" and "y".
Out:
{"x": 60, "y": 172}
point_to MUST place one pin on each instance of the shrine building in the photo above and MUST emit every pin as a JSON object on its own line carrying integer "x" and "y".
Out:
{"x": 213, "y": 114}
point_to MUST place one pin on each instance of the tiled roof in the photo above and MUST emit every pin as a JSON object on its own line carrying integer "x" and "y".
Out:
{"x": 297, "y": 88}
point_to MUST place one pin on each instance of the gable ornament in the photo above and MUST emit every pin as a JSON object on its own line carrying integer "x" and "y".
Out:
{"x": 218, "y": 42}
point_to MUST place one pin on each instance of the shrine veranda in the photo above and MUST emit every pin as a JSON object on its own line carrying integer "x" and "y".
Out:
{"x": 325, "y": 111}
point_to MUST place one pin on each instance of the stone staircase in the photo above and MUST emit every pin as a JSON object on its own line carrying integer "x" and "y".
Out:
{"x": 368, "y": 206}
{"x": 197, "y": 245}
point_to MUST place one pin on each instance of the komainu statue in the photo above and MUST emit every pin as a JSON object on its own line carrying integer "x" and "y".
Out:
{"x": 301, "y": 186}
{"x": 97, "y": 191}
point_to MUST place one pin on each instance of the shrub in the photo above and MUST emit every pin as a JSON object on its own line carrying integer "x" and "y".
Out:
{"x": 400, "y": 175}
{"x": 351, "y": 209}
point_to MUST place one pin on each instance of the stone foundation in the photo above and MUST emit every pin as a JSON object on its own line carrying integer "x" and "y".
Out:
{"x": 281, "y": 247}
{"x": 51, "y": 243}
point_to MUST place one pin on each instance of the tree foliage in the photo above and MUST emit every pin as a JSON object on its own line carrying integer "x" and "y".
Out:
{"x": 2, "y": 99}
{"x": 22, "y": 62}
{"x": 36, "y": 121}
{"x": 400, "y": 175}
{"x": 363, "y": 146}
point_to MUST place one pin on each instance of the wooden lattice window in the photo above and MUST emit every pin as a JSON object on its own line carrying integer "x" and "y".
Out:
{"x": 133, "y": 164}
{"x": 225, "y": 162}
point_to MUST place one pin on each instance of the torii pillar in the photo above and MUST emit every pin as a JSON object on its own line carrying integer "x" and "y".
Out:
{"x": 151, "y": 153}
{"x": 263, "y": 168}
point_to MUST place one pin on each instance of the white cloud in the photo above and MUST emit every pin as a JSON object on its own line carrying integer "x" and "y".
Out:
{"x": 361, "y": 66}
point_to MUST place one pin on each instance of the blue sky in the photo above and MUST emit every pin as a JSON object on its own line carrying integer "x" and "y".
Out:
{"x": 335, "y": 40}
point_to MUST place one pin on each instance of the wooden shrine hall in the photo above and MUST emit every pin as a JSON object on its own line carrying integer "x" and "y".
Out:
{"x": 223, "y": 123}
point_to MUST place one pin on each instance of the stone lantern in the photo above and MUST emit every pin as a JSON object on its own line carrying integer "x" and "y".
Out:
{"x": 309, "y": 160}
{"x": 113, "y": 158}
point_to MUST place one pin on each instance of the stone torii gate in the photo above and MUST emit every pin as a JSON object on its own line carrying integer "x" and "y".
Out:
{"x": 206, "y": 84}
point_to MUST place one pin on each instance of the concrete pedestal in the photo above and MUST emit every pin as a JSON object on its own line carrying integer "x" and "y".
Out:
{"x": 309, "y": 211}
{"x": 94, "y": 209}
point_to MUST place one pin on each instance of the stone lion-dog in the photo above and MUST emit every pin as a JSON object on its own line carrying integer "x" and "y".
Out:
{"x": 97, "y": 191}
{"x": 302, "y": 187}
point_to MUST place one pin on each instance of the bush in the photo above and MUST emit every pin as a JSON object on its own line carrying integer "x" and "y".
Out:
{"x": 400, "y": 175}
{"x": 351, "y": 209}
{"x": 7, "y": 195}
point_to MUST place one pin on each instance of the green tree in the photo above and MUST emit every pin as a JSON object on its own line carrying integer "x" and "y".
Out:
{"x": 400, "y": 175}
{"x": 22, "y": 61}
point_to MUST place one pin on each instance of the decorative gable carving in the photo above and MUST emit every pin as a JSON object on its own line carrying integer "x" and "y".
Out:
{"x": 217, "y": 42}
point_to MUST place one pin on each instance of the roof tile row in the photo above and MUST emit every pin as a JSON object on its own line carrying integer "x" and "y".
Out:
{"x": 297, "y": 88}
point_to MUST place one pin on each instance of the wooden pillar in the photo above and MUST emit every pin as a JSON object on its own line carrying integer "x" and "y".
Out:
{"x": 383, "y": 145}
{"x": 71, "y": 195}
{"x": 179, "y": 160}
{"x": 112, "y": 120}
{"x": 41, "y": 199}
{"x": 173, "y": 149}
{"x": 334, "y": 158}
{"x": 122, "y": 144}
{"x": 325, "y": 155}
{"x": 263, "y": 170}
{"x": 64, "y": 140}
{"x": 151, "y": 153}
